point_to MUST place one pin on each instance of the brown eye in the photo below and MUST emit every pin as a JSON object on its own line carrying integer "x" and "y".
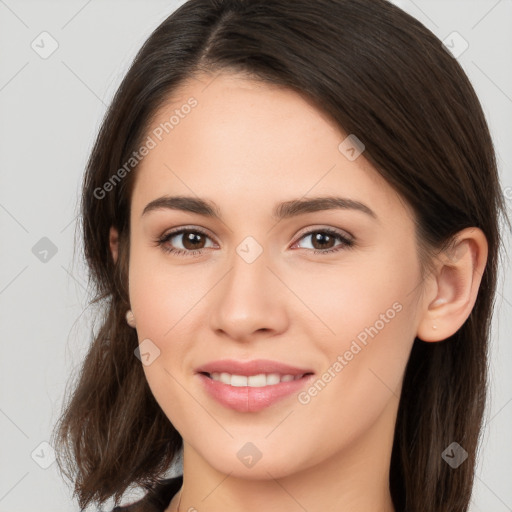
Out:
{"x": 324, "y": 240}
{"x": 192, "y": 242}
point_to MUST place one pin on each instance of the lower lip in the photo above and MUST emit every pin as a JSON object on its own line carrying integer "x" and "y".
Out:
{"x": 251, "y": 399}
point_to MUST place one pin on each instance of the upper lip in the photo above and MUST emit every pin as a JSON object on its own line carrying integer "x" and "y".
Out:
{"x": 253, "y": 367}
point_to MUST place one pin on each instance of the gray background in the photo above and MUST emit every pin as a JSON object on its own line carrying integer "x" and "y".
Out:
{"x": 50, "y": 111}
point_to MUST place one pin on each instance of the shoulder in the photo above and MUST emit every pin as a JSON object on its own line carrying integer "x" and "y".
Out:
{"x": 156, "y": 499}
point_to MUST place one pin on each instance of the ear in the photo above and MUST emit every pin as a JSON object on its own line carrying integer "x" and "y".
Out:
{"x": 454, "y": 286}
{"x": 114, "y": 243}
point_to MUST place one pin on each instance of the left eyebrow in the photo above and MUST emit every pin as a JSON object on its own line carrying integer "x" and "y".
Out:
{"x": 284, "y": 210}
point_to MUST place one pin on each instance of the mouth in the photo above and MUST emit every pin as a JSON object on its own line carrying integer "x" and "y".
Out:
{"x": 254, "y": 368}
{"x": 259, "y": 380}
{"x": 250, "y": 386}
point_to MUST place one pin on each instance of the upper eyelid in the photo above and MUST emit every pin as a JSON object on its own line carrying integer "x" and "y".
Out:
{"x": 181, "y": 230}
{"x": 339, "y": 231}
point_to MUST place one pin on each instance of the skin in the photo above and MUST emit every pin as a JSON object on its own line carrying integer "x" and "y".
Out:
{"x": 247, "y": 146}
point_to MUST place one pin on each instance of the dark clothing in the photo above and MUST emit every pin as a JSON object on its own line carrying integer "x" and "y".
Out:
{"x": 157, "y": 499}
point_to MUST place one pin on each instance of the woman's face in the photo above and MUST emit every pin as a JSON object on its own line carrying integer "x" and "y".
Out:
{"x": 332, "y": 290}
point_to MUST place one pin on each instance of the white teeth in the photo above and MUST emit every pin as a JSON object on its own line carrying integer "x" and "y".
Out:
{"x": 273, "y": 378}
{"x": 254, "y": 381}
{"x": 223, "y": 377}
{"x": 238, "y": 380}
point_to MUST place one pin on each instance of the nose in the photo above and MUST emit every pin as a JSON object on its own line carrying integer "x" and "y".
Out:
{"x": 250, "y": 301}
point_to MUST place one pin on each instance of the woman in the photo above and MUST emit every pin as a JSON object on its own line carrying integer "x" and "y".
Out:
{"x": 291, "y": 216}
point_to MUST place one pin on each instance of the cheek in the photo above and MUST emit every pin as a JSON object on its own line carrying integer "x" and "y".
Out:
{"x": 367, "y": 327}
{"x": 160, "y": 293}
{"x": 364, "y": 361}
{"x": 345, "y": 299}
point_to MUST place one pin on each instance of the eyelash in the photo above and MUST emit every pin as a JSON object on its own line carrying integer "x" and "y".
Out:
{"x": 345, "y": 242}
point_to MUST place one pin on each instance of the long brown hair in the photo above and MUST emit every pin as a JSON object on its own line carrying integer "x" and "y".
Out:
{"x": 382, "y": 76}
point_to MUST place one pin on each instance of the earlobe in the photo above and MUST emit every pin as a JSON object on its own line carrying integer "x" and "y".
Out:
{"x": 457, "y": 281}
{"x": 114, "y": 242}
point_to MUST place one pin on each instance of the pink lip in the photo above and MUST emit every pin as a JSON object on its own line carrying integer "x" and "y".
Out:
{"x": 247, "y": 398}
{"x": 253, "y": 367}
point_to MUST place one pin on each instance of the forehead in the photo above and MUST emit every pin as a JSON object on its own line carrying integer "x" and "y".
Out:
{"x": 242, "y": 141}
